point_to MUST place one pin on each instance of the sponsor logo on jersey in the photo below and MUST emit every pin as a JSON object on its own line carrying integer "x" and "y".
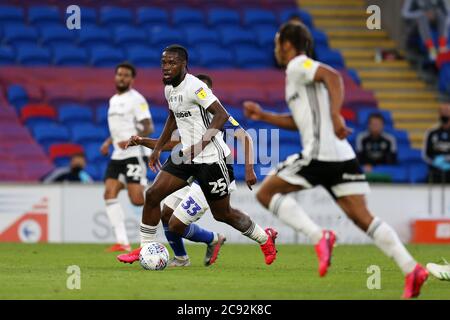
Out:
{"x": 183, "y": 114}
{"x": 307, "y": 64}
{"x": 201, "y": 94}
{"x": 143, "y": 106}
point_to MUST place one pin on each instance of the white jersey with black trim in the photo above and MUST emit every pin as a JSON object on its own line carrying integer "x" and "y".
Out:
{"x": 189, "y": 102}
{"x": 310, "y": 107}
{"x": 125, "y": 112}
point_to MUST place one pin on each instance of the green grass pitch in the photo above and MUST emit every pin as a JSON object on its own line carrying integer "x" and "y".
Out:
{"x": 38, "y": 271}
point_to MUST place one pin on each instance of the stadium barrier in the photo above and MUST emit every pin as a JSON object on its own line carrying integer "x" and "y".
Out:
{"x": 75, "y": 213}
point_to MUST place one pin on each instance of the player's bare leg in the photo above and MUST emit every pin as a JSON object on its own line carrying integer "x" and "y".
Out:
{"x": 386, "y": 239}
{"x": 136, "y": 193}
{"x": 164, "y": 184}
{"x": 116, "y": 215}
{"x": 273, "y": 194}
{"x": 223, "y": 212}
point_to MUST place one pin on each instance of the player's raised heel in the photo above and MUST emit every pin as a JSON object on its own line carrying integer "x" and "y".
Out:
{"x": 324, "y": 250}
{"x": 212, "y": 251}
{"x": 269, "y": 250}
{"x": 129, "y": 257}
{"x": 414, "y": 281}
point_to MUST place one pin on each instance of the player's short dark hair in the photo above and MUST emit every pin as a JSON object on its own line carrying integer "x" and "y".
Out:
{"x": 376, "y": 115}
{"x": 128, "y": 66}
{"x": 205, "y": 78}
{"x": 297, "y": 33}
{"x": 179, "y": 49}
{"x": 78, "y": 154}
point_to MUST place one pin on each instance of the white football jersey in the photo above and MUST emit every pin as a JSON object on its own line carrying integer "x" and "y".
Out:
{"x": 310, "y": 107}
{"x": 125, "y": 111}
{"x": 189, "y": 101}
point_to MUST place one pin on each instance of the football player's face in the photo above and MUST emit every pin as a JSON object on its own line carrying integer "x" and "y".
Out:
{"x": 171, "y": 65}
{"x": 124, "y": 79}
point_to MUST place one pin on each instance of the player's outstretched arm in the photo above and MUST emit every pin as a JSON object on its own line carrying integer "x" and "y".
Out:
{"x": 333, "y": 81}
{"x": 253, "y": 111}
{"x": 247, "y": 142}
{"x": 150, "y": 143}
{"x": 146, "y": 127}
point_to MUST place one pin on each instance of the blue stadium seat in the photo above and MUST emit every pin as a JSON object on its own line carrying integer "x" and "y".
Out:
{"x": 161, "y": 37}
{"x": 11, "y": 14}
{"x": 289, "y": 136}
{"x": 92, "y": 35}
{"x": 111, "y": 16}
{"x": 331, "y": 57}
{"x": 49, "y": 134}
{"x": 222, "y": 17}
{"x": 17, "y": 34}
{"x": 69, "y": 114}
{"x": 17, "y": 96}
{"x": 248, "y": 57}
{"x": 94, "y": 171}
{"x": 444, "y": 79}
{"x": 400, "y": 135}
{"x": 88, "y": 15}
{"x": 258, "y": 17}
{"x": 364, "y": 114}
{"x": 236, "y": 36}
{"x": 194, "y": 57}
{"x": 70, "y": 55}
{"x": 149, "y": 17}
{"x": 143, "y": 56}
{"x": 106, "y": 56}
{"x": 320, "y": 38}
{"x": 196, "y": 35}
{"x": 87, "y": 133}
{"x": 286, "y": 14}
{"x": 6, "y": 55}
{"x": 101, "y": 114}
{"x": 418, "y": 172}
{"x": 56, "y": 36}
{"x": 44, "y": 15}
{"x": 405, "y": 154}
{"x": 159, "y": 114}
{"x": 398, "y": 173}
{"x": 92, "y": 151}
{"x": 128, "y": 36}
{"x": 213, "y": 56}
{"x": 32, "y": 55}
{"x": 183, "y": 17}
{"x": 265, "y": 36}
{"x": 354, "y": 75}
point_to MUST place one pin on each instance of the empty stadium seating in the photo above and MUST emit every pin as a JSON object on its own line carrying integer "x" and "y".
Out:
{"x": 67, "y": 113}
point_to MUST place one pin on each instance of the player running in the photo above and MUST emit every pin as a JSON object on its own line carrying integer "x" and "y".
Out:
{"x": 128, "y": 114}
{"x": 199, "y": 117}
{"x": 314, "y": 94}
{"x": 173, "y": 204}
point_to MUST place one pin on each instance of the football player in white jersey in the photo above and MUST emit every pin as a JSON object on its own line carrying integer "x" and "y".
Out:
{"x": 128, "y": 114}
{"x": 199, "y": 117}
{"x": 314, "y": 94}
{"x": 173, "y": 204}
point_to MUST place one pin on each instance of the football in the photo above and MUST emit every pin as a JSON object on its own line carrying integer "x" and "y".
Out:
{"x": 154, "y": 256}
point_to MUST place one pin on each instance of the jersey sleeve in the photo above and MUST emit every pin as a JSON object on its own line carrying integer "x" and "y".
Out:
{"x": 202, "y": 95}
{"x": 141, "y": 109}
{"x": 304, "y": 70}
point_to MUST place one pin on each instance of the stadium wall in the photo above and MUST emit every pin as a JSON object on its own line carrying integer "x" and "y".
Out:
{"x": 75, "y": 213}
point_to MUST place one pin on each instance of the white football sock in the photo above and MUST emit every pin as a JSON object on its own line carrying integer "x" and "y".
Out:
{"x": 387, "y": 240}
{"x": 292, "y": 214}
{"x": 117, "y": 219}
{"x": 148, "y": 233}
{"x": 256, "y": 233}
